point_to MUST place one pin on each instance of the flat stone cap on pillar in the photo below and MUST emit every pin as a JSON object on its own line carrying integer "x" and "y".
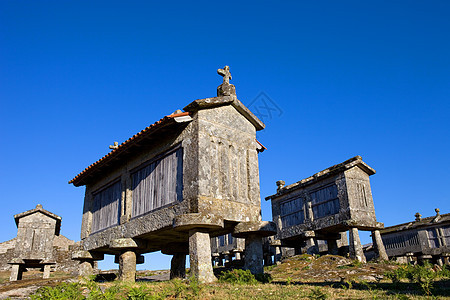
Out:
{"x": 261, "y": 228}
{"x": 86, "y": 255}
{"x": 126, "y": 243}
{"x": 197, "y": 220}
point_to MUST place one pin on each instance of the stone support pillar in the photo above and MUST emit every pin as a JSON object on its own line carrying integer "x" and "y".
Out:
{"x": 200, "y": 256}
{"x": 380, "y": 251}
{"x": 253, "y": 257}
{"x": 237, "y": 255}
{"x": 277, "y": 257}
{"x": 227, "y": 258}
{"x": 355, "y": 247}
{"x": 86, "y": 268}
{"x": 16, "y": 272}
{"x": 311, "y": 246}
{"x": 178, "y": 266}
{"x": 332, "y": 247}
{"x": 46, "y": 271}
{"x": 87, "y": 261}
{"x": 127, "y": 266}
{"x": 267, "y": 259}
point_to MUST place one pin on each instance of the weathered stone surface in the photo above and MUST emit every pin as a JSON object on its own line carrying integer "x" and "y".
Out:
{"x": 86, "y": 268}
{"x": 356, "y": 250}
{"x": 178, "y": 266}
{"x": 328, "y": 203}
{"x": 127, "y": 266}
{"x": 253, "y": 255}
{"x": 378, "y": 245}
{"x": 125, "y": 243}
{"x": 34, "y": 244}
{"x": 200, "y": 256}
{"x": 197, "y": 220}
{"x": 261, "y": 228}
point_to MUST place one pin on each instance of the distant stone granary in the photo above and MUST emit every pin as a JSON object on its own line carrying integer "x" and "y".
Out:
{"x": 191, "y": 176}
{"x": 36, "y": 229}
{"x": 422, "y": 239}
{"x": 225, "y": 248}
{"x": 326, "y": 204}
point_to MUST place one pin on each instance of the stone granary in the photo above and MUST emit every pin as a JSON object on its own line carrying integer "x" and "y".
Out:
{"x": 228, "y": 251}
{"x": 36, "y": 229}
{"x": 323, "y": 206}
{"x": 191, "y": 176}
{"x": 226, "y": 248}
{"x": 422, "y": 239}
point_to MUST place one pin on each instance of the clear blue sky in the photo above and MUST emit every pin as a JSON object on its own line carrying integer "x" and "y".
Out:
{"x": 369, "y": 78}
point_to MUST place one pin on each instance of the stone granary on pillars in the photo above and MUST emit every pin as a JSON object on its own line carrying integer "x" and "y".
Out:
{"x": 421, "y": 239}
{"x": 36, "y": 229}
{"x": 226, "y": 249}
{"x": 326, "y": 204}
{"x": 191, "y": 176}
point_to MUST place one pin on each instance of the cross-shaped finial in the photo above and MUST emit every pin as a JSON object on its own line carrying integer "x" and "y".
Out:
{"x": 225, "y": 72}
{"x": 418, "y": 216}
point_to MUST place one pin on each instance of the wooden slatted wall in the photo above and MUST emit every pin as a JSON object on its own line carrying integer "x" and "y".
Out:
{"x": 158, "y": 184}
{"x": 292, "y": 212}
{"x": 106, "y": 212}
{"x": 325, "y": 202}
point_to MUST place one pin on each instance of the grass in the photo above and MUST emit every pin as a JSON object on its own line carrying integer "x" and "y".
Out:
{"x": 300, "y": 277}
{"x": 185, "y": 289}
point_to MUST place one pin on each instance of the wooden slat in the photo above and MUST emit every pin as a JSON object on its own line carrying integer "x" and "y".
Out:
{"x": 106, "y": 210}
{"x": 158, "y": 184}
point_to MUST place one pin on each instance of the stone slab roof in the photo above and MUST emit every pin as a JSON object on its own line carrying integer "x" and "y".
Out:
{"x": 348, "y": 164}
{"x": 43, "y": 211}
{"x": 423, "y": 222}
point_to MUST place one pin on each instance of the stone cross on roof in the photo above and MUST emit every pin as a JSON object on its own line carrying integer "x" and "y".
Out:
{"x": 225, "y": 73}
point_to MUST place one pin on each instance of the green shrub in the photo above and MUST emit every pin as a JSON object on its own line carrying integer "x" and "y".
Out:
{"x": 238, "y": 276}
{"x": 60, "y": 292}
{"x": 264, "y": 278}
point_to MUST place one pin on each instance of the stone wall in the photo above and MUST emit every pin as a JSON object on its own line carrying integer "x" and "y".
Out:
{"x": 61, "y": 253}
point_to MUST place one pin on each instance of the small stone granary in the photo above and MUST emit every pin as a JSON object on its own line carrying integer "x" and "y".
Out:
{"x": 422, "y": 239}
{"x": 36, "y": 229}
{"x": 323, "y": 206}
{"x": 191, "y": 176}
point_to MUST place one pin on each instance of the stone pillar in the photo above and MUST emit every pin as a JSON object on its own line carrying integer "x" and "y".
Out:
{"x": 178, "y": 266}
{"x": 439, "y": 261}
{"x": 46, "y": 271}
{"x": 343, "y": 241}
{"x": 380, "y": 251}
{"x": 220, "y": 261}
{"x": 227, "y": 258}
{"x": 200, "y": 256}
{"x": 355, "y": 247}
{"x": 16, "y": 272}
{"x": 311, "y": 246}
{"x": 268, "y": 259}
{"x": 86, "y": 268}
{"x": 127, "y": 266}
{"x": 237, "y": 255}
{"x": 332, "y": 247}
{"x": 277, "y": 257}
{"x": 253, "y": 257}
{"x": 446, "y": 260}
